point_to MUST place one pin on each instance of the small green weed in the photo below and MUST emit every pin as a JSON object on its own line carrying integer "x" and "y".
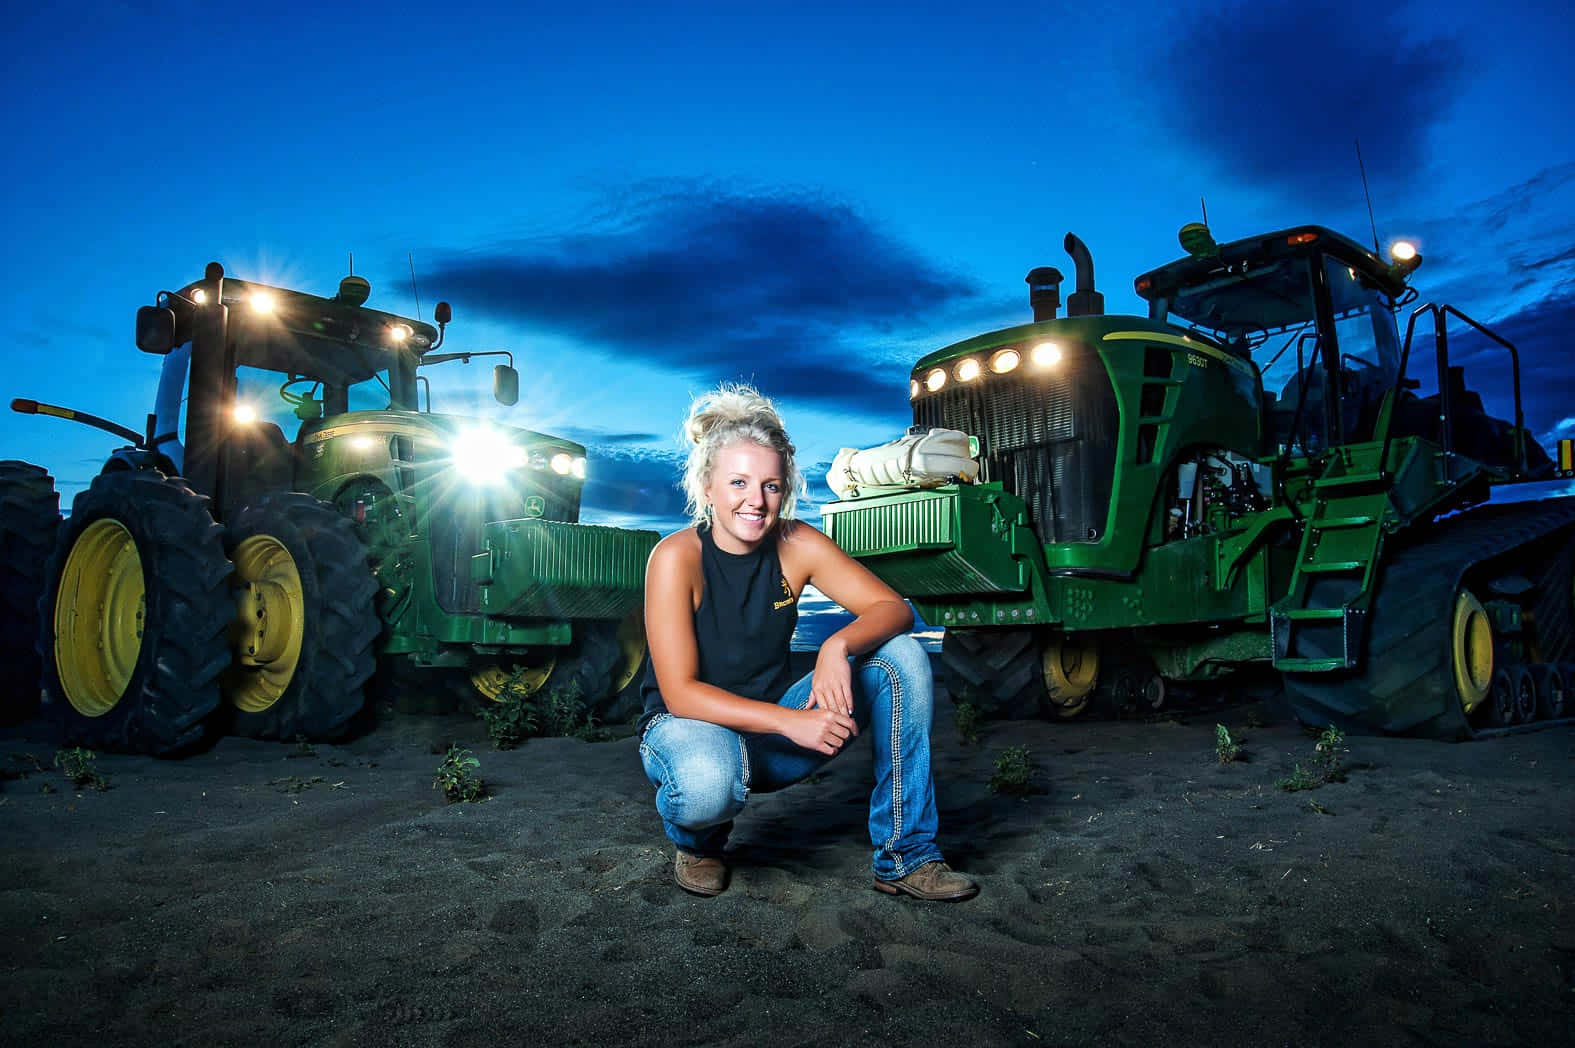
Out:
{"x": 1226, "y": 749}
{"x": 1014, "y": 771}
{"x": 457, "y": 777}
{"x": 1326, "y": 766}
{"x": 967, "y": 720}
{"x": 293, "y": 784}
{"x": 512, "y": 719}
{"x": 76, "y": 764}
{"x": 519, "y": 715}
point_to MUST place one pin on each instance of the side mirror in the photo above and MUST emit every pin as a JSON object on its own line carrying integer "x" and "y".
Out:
{"x": 155, "y": 329}
{"x": 506, "y": 385}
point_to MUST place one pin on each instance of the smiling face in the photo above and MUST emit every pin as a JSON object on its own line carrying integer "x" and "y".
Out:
{"x": 745, "y": 495}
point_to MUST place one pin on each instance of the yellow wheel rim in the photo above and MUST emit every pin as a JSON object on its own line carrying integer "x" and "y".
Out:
{"x": 1070, "y": 672}
{"x": 1472, "y": 643}
{"x": 631, "y": 649}
{"x": 100, "y": 610}
{"x": 269, "y": 624}
{"x": 492, "y": 680}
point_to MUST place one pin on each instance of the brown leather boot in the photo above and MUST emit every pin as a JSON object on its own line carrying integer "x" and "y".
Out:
{"x": 933, "y": 882}
{"x": 699, "y": 874}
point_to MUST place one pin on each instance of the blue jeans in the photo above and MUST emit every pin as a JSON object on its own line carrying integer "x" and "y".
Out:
{"x": 703, "y": 772}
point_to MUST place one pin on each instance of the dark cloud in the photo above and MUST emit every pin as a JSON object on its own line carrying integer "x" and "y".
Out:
{"x": 1277, "y": 93}
{"x": 780, "y": 288}
{"x": 597, "y": 437}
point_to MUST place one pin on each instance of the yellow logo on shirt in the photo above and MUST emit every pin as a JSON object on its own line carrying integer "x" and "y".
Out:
{"x": 788, "y": 599}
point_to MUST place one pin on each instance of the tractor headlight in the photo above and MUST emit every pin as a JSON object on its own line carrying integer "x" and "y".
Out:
{"x": 260, "y": 301}
{"x": 485, "y": 456}
{"x": 562, "y": 463}
{"x": 935, "y": 379}
{"x": 1046, "y": 354}
{"x": 1005, "y": 360}
{"x": 913, "y": 389}
{"x": 968, "y": 370}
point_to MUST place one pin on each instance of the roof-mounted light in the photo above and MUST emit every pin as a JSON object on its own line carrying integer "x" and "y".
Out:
{"x": 1405, "y": 259}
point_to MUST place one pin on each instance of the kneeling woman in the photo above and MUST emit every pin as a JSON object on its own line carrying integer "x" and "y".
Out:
{"x": 723, "y": 715}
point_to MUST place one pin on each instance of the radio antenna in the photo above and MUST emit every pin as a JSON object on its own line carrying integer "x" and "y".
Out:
{"x": 1204, "y": 204}
{"x": 1363, "y": 169}
{"x": 413, "y": 291}
{"x": 352, "y": 263}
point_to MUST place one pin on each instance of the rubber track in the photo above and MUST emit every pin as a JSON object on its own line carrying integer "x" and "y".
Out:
{"x": 1406, "y": 683}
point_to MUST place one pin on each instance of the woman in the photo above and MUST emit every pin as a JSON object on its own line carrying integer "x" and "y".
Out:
{"x": 723, "y": 716}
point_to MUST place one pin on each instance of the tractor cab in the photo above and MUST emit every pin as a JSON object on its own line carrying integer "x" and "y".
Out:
{"x": 261, "y": 368}
{"x": 1312, "y": 310}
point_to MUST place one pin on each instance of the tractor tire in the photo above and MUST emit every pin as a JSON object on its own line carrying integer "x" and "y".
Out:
{"x": 999, "y": 672}
{"x": 135, "y": 611}
{"x": 593, "y": 663}
{"x": 29, "y": 517}
{"x": 303, "y": 639}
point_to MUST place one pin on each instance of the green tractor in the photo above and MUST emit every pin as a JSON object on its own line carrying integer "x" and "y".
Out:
{"x": 292, "y": 522}
{"x": 1244, "y": 489}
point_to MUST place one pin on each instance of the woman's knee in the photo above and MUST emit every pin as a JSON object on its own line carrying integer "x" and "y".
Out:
{"x": 907, "y": 663}
{"x": 700, "y": 777}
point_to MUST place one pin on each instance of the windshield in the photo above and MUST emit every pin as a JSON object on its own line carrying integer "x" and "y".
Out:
{"x": 288, "y": 401}
{"x": 1269, "y": 313}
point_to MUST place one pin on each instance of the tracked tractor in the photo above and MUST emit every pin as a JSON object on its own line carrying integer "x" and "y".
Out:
{"x": 1261, "y": 483}
{"x": 294, "y": 519}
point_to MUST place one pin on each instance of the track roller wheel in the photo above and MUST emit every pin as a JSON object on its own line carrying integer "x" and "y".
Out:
{"x": 135, "y": 609}
{"x": 1552, "y": 691}
{"x": 29, "y": 516}
{"x": 1071, "y": 670}
{"x": 1500, "y": 708}
{"x": 304, "y": 623}
{"x": 1523, "y": 695}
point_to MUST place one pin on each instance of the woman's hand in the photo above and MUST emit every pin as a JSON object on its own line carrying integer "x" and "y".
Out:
{"x": 832, "y": 686}
{"x": 823, "y": 731}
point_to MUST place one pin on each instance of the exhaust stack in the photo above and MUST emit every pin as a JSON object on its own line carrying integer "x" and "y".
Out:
{"x": 1085, "y": 301}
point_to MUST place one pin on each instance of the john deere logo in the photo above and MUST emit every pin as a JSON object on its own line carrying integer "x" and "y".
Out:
{"x": 535, "y": 505}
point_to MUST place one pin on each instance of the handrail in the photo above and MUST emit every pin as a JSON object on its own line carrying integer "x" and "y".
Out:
{"x": 1445, "y": 407}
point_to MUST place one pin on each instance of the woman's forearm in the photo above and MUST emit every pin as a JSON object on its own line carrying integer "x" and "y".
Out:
{"x": 700, "y": 701}
{"x": 880, "y": 622}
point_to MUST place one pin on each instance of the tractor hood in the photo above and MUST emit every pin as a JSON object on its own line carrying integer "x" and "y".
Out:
{"x": 481, "y": 452}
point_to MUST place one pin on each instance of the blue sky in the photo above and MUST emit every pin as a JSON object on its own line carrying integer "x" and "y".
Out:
{"x": 639, "y": 204}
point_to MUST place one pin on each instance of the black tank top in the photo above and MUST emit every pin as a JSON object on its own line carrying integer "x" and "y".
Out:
{"x": 744, "y": 625}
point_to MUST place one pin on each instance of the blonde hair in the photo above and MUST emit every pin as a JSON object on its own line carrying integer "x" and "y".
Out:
{"x": 729, "y": 414}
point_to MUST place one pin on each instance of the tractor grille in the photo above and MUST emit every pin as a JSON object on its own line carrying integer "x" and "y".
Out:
{"x": 458, "y": 511}
{"x": 1048, "y": 437}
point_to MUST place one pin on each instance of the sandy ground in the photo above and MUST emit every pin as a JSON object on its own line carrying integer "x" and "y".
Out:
{"x": 262, "y": 893}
